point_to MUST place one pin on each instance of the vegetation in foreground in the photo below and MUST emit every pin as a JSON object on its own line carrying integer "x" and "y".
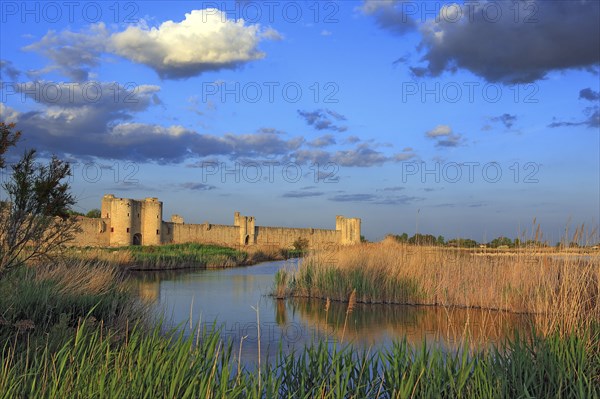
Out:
{"x": 73, "y": 330}
{"x": 76, "y": 341}
{"x": 565, "y": 290}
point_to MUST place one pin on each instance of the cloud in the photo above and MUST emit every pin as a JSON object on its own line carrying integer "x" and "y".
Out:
{"x": 392, "y": 15}
{"x": 376, "y": 199}
{"x": 323, "y": 119}
{"x": 398, "y": 200}
{"x": 270, "y": 130}
{"x": 205, "y": 40}
{"x": 197, "y": 186}
{"x": 325, "y": 32}
{"x": 323, "y": 141}
{"x": 76, "y": 122}
{"x": 444, "y": 136}
{"x": 302, "y": 194}
{"x": 439, "y": 130}
{"x": 363, "y": 155}
{"x": 592, "y": 120}
{"x": 8, "y": 114}
{"x": 395, "y": 188}
{"x": 325, "y": 177}
{"x": 592, "y": 113}
{"x": 515, "y": 42}
{"x": 352, "y": 140}
{"x": 353, "y": 198}
{"x": 589, "y": 94}
{"x": 506, "y": 119}
{"x": 8, "y": 70}
{"x": 96, "y": 120}
{"x": 72, "y": 53}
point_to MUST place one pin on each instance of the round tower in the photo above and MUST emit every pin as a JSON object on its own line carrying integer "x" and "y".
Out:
{"x": 151, "y": 221}
{"x": 121, "y": 222}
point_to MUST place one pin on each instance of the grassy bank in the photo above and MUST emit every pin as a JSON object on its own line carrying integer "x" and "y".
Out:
{"x": 180, "y": 256}
{"x": 164, "y": 257}
{"x": 565, "y": 289}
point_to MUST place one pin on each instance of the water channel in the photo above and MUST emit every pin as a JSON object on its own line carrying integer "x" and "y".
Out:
{"x": 229, "y": 297}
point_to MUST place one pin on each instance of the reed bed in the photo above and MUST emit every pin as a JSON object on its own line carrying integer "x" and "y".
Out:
{"x": 565, "y": 290}
{"x": 149, "y": 364}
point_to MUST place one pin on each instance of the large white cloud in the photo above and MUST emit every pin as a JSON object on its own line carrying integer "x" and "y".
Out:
{"x": 204, "y": 40}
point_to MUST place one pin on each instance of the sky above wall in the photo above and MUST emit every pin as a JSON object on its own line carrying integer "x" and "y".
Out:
{"x": 464, "y": 119}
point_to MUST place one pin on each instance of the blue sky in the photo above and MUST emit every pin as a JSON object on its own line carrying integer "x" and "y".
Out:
{"x": 461, "y": 119}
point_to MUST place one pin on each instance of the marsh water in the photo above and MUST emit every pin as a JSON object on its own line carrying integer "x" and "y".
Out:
{"x": 231, "y": 298}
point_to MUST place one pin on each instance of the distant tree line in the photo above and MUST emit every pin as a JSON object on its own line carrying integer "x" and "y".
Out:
{"x": 94, "y": 213}
{"x": 499, "y": 242}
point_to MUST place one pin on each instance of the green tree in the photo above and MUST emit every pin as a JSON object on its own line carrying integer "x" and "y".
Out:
{"x": 301, "y": 244}
{"x": 422, "y": 239}
{"x": 441, "y": 241}
{"x": 8, "y": 138}
{"x": 500, "y": 241}
{"x": 462, "y": 243}
{"x": 94, "y": 213}
{"x": 401, "y": 238}
{"x": 34, "y": 217}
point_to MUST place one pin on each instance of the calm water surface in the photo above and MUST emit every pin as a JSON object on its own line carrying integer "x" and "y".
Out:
{"x": 227, "y": 297}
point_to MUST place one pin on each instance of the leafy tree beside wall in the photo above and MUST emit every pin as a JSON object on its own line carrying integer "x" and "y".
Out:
{"x": 34, "y": 209}
{"x": 94, "y": 213}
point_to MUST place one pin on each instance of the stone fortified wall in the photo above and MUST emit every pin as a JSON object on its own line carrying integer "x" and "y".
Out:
{"x": 126, "y": 221}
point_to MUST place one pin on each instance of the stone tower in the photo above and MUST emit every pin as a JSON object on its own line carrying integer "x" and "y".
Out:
{"x": 349, "y": 229}
{"x": 151, "y": 221}
{"x": 119, "y": 211}
{"x": 247, "y": 225}
{"x": 133, "y": 222}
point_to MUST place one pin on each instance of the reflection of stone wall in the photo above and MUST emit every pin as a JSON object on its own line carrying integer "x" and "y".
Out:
{"x": 126, "y": 222}
{"x": 149, "y": 291}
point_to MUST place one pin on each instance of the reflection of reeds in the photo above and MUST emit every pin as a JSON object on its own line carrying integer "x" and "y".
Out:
{"x": 565, "y": 289}
{"x": 349, "y": 309}
{"x": 370, "y": 323}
